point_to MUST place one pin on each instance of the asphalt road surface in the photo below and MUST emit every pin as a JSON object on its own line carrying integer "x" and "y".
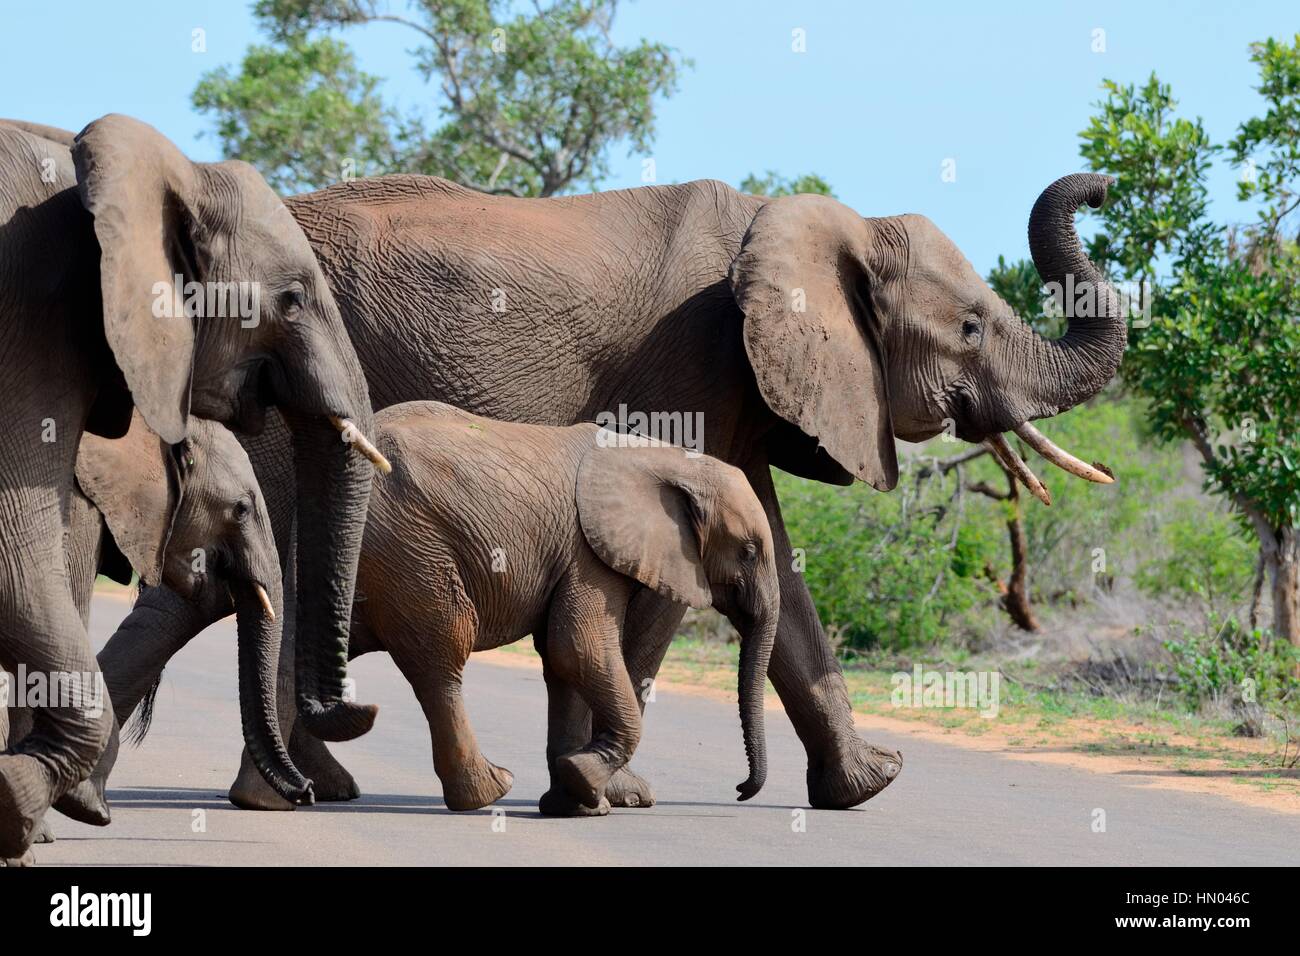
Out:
{"x": 950, "y": 806}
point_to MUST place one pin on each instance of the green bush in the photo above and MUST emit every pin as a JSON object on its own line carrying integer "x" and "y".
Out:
{"x": 893, "y": 570}
{"x": 1213, "y": 665}
{"x": 1202, "y": 557}
{"x": 908, "y": 568}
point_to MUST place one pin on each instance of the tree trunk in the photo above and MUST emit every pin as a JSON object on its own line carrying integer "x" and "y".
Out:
{"x": 1286, "y": 586}
{"x": 1016, "y": 600}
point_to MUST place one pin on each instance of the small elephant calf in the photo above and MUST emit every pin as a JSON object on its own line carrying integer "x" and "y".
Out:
{"x": 487, "y": 531}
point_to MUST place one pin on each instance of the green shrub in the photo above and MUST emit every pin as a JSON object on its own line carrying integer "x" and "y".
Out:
{"x": 1214, "y": 664}
{"x": 1202, "y": 557}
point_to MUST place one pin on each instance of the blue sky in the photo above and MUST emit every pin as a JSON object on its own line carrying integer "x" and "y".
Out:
{"x": 885, "y": 93}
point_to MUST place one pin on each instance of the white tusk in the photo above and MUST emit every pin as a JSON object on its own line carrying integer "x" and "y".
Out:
{"x": 1006, "y": 454}
{"x": 352, "y": 433}
{"x": 266, "y": 601}
{"x": 1061, "y": 458}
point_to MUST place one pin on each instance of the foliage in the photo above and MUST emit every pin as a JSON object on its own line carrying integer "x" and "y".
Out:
{"x": 1220, "y": 361}
{"x": 530, "y": 103}
{"x": 298, "y": 112}
{"x": 773, "y": 184}
{"x": 1214, "y": 664}
{"x": 891, "y": 570}
{"x": 1201, "y": 557}
{"x": 911, "y": 567}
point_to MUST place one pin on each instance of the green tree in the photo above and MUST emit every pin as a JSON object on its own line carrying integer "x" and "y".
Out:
{"x": 774, "y": 184}
{"x": 1219, "y": 363}
{"x": 529, "y": 103}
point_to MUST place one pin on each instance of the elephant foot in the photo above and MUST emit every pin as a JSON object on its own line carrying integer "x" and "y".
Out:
{"x": 330, "y": 780}
{"x": 251, "y": 792}
{"x": 85, "y": 803}
{"x": 43, "y": 833}
{"x": 27, "y": 859}
{"x": 627, "y": 789}
{"x": 585, "y": 775}
{"x": 854, "y": 778}
{"x": 24, "y": 798}
{"x": 558, "y": 802}
{"x": 477, "y": 786}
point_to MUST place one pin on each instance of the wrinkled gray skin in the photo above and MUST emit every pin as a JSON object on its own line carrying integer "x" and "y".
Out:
{"x": 489, "y": 531}
{"x": 88, "y": 229}
{"x": 807, "y": 336}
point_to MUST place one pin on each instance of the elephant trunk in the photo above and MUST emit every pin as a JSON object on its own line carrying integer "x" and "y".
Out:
{"x": 755, "y": 653}
{"x": 259, "y": 656}
{"x": 1075, "y": 367}
{"x": 1056, "y": 375}
{"x": 333, "y": 484}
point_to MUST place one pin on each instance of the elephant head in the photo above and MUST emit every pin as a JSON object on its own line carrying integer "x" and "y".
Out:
{"x": 214, "y": 306}
{"x": 859, "y": 330}
{"x": 190, "y": 516}
{"x": 690, "y": 528}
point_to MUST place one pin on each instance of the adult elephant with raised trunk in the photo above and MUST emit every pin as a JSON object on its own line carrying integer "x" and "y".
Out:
{"x": 122, "y": 271}
{"x": 807, "y": 336}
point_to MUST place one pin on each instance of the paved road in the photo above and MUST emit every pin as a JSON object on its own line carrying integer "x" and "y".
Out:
{"x": 950, "y": 806}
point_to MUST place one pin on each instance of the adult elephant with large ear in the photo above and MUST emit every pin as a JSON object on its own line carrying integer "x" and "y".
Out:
{"x": 134, "y": 276}
{"x": 801, "y": 334}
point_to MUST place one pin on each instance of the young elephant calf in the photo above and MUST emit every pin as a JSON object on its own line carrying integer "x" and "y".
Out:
{"x": 488, "y": 531}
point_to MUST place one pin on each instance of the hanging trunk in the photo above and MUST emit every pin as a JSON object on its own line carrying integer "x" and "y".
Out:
{"x": 333, "y": 484}
{"x": 755, "y": 653}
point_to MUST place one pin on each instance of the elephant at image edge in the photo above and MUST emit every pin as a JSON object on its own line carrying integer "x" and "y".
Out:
{"x": 807, "y": 336}
{"x": 583, "y": 524}
{"x": 88, "y": 236}
{"x": 200, "y": 500}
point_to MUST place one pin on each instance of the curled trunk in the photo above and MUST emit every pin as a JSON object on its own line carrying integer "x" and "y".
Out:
{"x": 1069, "y": 370}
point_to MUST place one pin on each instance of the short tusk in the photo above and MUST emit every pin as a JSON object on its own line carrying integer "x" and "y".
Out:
{"x": 351, "y": 433}
{"x": 1007, "y": 455}
{"x": 1061, "y": 458}
{"x": 265, "y": 599}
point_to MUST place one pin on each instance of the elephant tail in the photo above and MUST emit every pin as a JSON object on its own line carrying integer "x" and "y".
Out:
{"x": 141, "y": 719}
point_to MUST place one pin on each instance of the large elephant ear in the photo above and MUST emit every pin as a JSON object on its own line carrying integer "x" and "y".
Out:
{"x": 128, "y": 479}
{"x": 803, "y": 280}
{"x": 139, "y": 187}
{"x": 642, "y": 516}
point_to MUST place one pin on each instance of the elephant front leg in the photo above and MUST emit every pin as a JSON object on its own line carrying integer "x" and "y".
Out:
{"x": 584, "y": 648}
{"x": 648, "y": 631}
{"x": 843, "y": 769}
{"x": 70, "y": 730}
{"x": 568, "y": 728}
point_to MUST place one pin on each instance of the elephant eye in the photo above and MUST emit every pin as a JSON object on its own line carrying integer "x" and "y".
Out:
{"x": 291, "y": 303}
{"x": 748, "y": 551}
{"x": 971, "y": 330}
{"x": 242, "y": 509}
